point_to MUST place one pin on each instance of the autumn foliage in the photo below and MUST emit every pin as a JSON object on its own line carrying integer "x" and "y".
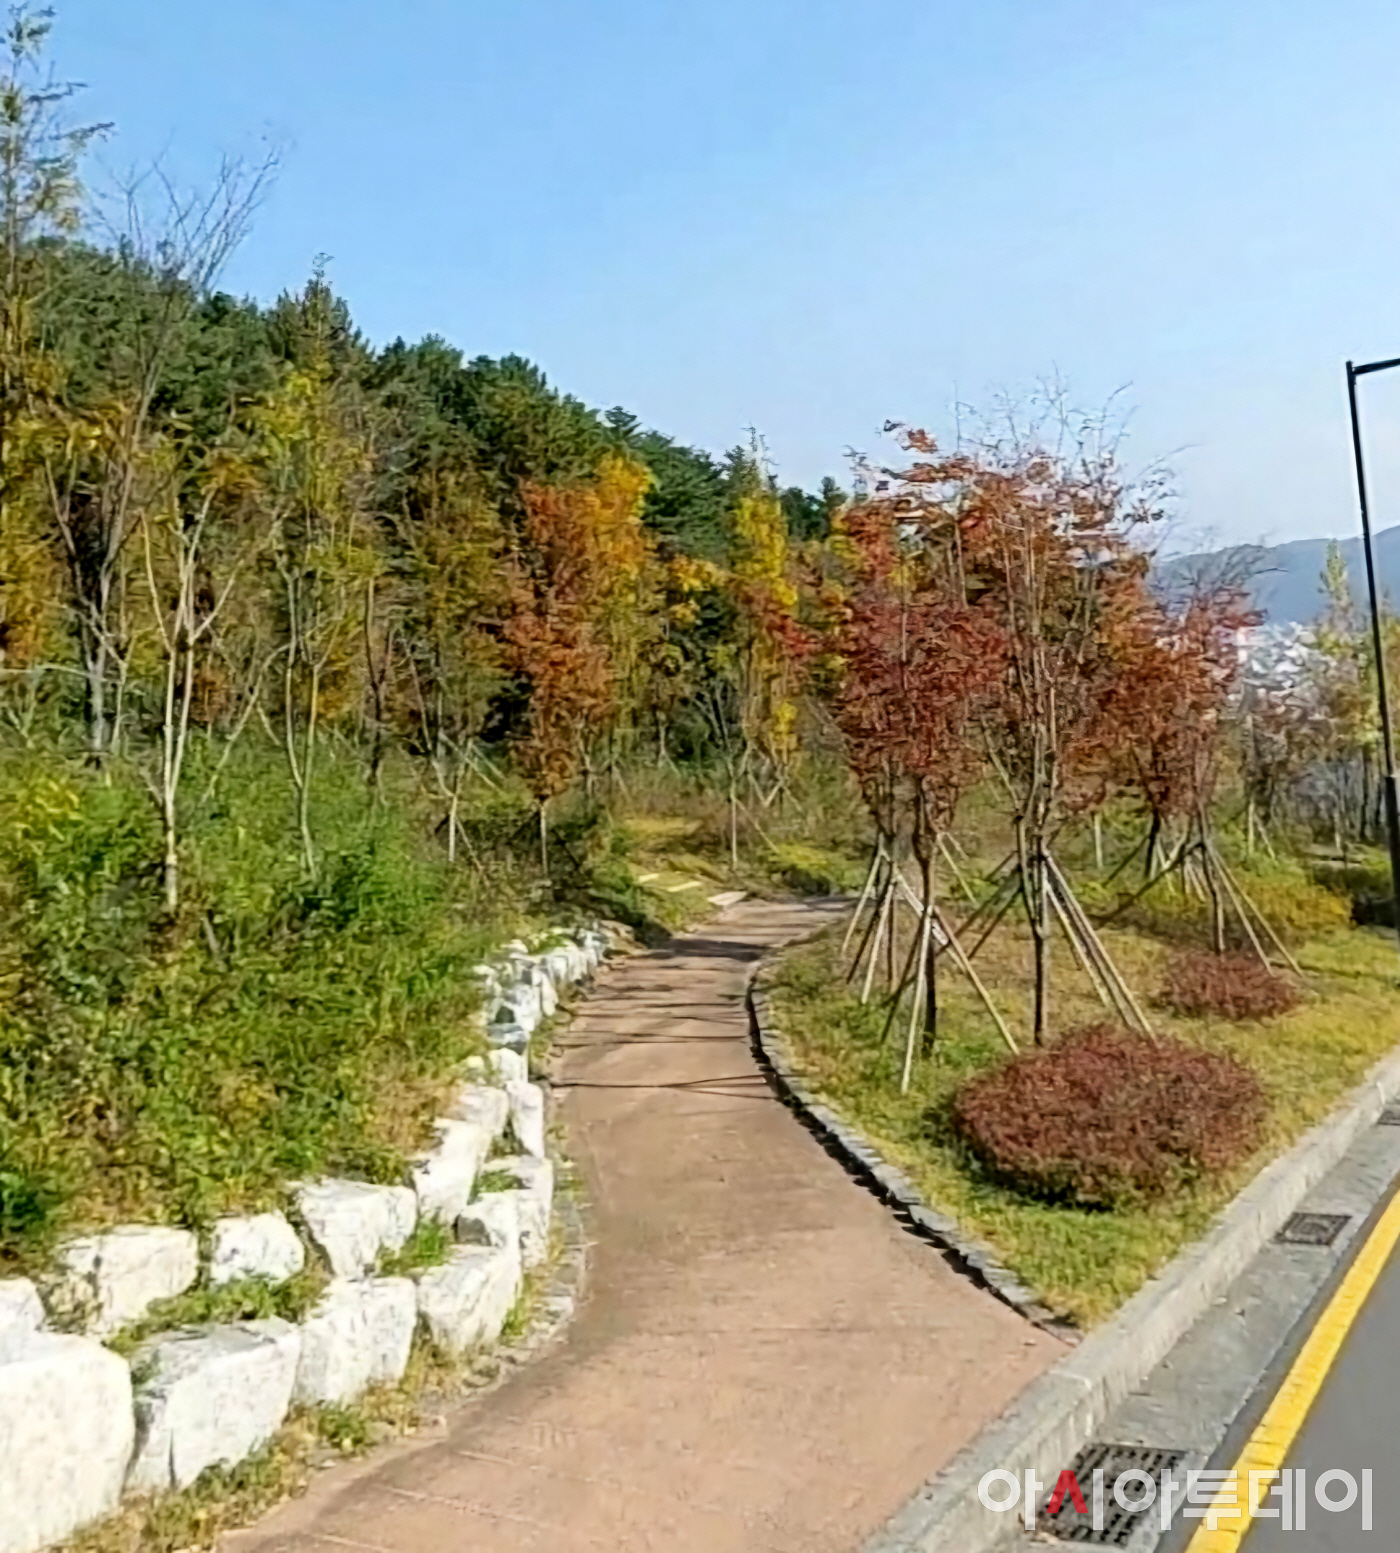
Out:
{"x": 1208, "y": 986}
{"x": 576, "y": 615}
{"x": 1106, "y": 1118}
{"x": 920, "y": 666}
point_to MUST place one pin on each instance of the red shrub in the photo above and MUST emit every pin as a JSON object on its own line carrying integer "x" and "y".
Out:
{"x": 1106, "y": 1117}
{"x": 1226, "y": 987}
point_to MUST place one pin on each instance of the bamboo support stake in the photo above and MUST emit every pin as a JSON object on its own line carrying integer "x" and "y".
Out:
{"x": 887, "y": 900}
{"x": 1095, "y": 944}
{"x": 1118, "y": 999}
{"x": 1125, "y": 861}
{"x": 869, "y": 928}
{"x": 915, "y": 903}
{"x": 1011, "y": 881}
{"x": 865, "y": 889}
{"x": 965, "y": 965}
{"x": 1081, "y": 957}
{"x": 956, "y": 872}
{"x": 992, "y": 926}
{"x": 920, "y": 992}
{"x": 1259, "y": 916}
{"x": 1242, "y": 913}
{"x": 908, "y": 974}
{"x": 1151, "y": 884}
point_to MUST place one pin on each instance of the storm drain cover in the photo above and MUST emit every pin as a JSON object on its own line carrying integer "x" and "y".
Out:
{"x": 1313, "y": 1229}
{"x": 1068, "y": 1525}
{"x": 1390, "y": 1117}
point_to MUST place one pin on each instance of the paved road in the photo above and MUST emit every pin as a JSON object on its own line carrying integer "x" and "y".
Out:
{"x": 765, "y": 1360}
{"x": 1353, "y": 1425}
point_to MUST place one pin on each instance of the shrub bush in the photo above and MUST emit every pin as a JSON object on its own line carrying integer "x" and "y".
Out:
{"x": 1106, "y": 1118}
{"x": 174, "y": 1069}
{"x": 1225, "y": 987}
{"x": 1295, "y": 906}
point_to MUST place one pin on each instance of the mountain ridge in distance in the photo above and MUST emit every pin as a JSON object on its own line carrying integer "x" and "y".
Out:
{"x": 1284, "y": 582}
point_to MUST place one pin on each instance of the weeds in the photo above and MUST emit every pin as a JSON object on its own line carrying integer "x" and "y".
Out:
{"x": 429, "y": 1245}
{"x": 280, "y": 1028}
{"x": 243, "y": 1299}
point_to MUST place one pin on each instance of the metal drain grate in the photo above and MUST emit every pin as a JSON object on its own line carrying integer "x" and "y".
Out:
{"x": 1068, "y": 1525}
{"x": 1312, "y": 1229}
{"x": 1390, "y": 1117}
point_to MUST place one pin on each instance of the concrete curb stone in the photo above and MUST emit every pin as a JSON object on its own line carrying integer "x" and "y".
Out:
{"x": 864, "y": 1161}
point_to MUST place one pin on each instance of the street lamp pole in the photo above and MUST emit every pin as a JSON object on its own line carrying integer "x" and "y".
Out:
{"x": 1392, "y": 803}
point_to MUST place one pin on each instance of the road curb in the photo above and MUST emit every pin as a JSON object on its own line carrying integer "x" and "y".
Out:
{"x": 1060, "y": 1412}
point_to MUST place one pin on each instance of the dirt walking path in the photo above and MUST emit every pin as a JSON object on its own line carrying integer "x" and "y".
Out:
{"x": 765, "y": 1360}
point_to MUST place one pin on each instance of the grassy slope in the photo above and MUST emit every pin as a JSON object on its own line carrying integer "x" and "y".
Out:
{"x": 1082, "y": 1262}
{"x": 277, "y": 1028}
{"x": 280, "y": 1028}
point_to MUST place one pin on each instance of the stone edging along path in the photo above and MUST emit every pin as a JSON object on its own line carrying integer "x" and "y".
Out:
{"x": 81, "y": 1425}
{"x": 973, "y": 1256}
{"x": 1058, "y": 1414}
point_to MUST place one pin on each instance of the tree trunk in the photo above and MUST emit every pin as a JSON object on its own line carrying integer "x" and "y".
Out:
{"x": 930, "y": 949}
{"x": 308, "y": 756}
{"x": 1155, "y": 831}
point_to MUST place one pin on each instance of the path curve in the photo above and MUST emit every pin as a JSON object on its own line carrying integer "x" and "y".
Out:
{"x": 765, "y": 1360}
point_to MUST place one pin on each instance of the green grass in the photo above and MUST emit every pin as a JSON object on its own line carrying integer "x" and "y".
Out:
{"x": 429, "y": 1245}
{"x": 279, "y": 1027}
{"x": 244, "y": 1299}
{"x": 1083, "y": 1263}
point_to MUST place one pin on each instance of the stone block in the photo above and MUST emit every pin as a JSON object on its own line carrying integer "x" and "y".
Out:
{"x": 532, "y": 1213}
{"x": 483, "y": 1105}
{"x": 443, "y": 1180}
{"x": 560, "y": 965}
{"x": 465, "y": 1302}
{"x": 506, "y": 1066}
{"x": 546, "y": 992}
{"x": 263, "y": 1245}
{"x": 109, "y": 1280}
{"x": 66, "y": 1434}
{"x": 352, "y": 1222}
{"x": 492, "y": 1220}
{"x": 534, "y": 1202}
{"x": 21, "y": 1310}
{"x": 508, "y": 1037}
{"x": 527, "y": 1116}
{"x": 518, "y": 1004}
{"x": 359, "y": 1335}
{"x": 208, "y": 1397}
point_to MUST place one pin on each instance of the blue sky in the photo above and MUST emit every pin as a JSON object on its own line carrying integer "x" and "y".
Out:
{"x": 815, "y": 215}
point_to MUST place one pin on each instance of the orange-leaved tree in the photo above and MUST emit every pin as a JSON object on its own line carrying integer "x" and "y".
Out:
{"x": 579, "y": 579}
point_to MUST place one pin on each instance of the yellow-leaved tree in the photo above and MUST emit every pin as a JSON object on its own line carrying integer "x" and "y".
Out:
{"x": 315, "y": 437}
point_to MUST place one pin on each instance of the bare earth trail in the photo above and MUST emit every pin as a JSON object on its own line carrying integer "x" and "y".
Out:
{"x": 765, "y": 1360}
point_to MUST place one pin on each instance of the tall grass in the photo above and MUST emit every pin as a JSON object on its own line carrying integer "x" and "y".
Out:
{"x": 280, "y": 1026}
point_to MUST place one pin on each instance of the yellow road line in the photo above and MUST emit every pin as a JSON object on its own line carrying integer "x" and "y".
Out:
{"x": 1270, "y": 1443}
